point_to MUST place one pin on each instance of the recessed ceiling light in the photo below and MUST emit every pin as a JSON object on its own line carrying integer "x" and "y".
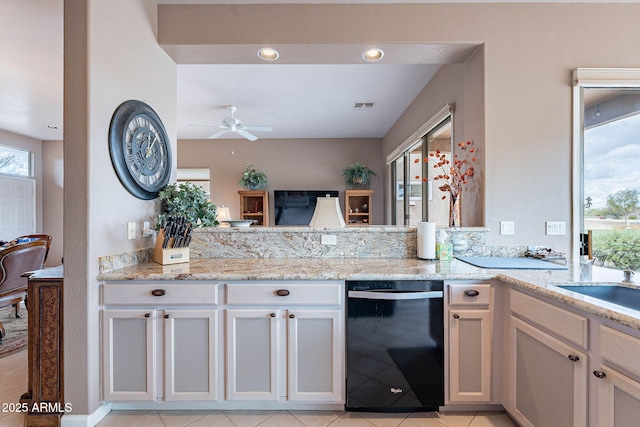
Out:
{"x": 268, "y": 54}
{"x": 372, "y": 55}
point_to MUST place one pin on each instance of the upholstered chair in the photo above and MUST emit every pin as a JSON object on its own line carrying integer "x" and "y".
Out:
{"x": 14, "y": 262}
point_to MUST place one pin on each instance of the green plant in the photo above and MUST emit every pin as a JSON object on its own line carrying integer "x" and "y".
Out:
{"x": 617, "y": 248}
{"x": 252, "y": 179}
{"x": 187, "y": 200}
{"x": 358, "y": 174}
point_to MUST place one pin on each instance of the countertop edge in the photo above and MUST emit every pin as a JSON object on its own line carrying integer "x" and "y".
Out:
{"x": 536, "y": 282}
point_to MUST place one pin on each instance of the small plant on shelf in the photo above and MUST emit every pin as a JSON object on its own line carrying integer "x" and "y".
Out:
{"x": 189, "y": 201}
{"x": 253, "y": 179}
{"x": 358, "y": 175}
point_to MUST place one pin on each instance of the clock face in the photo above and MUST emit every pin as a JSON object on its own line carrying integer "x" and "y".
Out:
{"x": 140, "y": 149}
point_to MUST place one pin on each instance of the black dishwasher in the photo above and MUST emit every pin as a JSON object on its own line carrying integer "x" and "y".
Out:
{"x": 395, "y": 345}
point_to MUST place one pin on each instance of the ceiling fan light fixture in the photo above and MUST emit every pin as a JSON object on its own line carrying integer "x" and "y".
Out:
{"x": 372, "y": 55}
{"x": 268, "y": 54}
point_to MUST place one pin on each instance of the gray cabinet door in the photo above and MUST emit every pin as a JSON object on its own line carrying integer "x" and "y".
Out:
{"x": 129, "y": 359}
{"x": 470, "y": 334}
{"x": 316, "y": 345}
{"x": 618, "y": 399}
{"x": 548, "y": 379}
{"x": 252, "y": 354}
{"x": 191, "y": 354}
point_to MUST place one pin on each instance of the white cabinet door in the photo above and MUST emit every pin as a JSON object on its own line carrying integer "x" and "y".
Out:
{"x": 129, "y": 356}
{"x": 252, "y": 343}
{"x": 316, "y": 347}
{"x": 618, "y": 399}
{"x": 190, "y": 352}
{"x": 548, "y": 379}
{"x": 470, "y": 355}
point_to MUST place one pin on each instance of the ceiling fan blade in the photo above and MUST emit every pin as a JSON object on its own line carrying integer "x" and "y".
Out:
{"x": 258, "y": 128}
{"x": 246, "y": 135}
{"x": 217, "y": 134}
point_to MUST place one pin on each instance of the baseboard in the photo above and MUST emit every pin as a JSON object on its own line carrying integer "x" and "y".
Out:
{"x": 69, "y": 420}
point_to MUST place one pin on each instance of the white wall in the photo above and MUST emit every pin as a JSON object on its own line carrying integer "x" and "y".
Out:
{"x": 111, "y": 55}
{"x": 52, "y": 198}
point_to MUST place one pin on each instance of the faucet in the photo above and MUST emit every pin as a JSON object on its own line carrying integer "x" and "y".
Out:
{"x": 627, "y": 275}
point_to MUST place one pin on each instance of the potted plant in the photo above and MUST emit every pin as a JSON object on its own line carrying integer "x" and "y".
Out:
{"x": 252, "y": 179}
{"x": 358, "y": 175}
{"x": 189, "y": 201}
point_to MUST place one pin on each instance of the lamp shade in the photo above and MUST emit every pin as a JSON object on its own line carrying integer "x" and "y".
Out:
{"x": 327, "y": 213}
{"x": 223, "y": 213}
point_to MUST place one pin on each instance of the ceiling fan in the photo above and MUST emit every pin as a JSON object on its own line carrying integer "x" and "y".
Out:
{"x": 232, "y": 124}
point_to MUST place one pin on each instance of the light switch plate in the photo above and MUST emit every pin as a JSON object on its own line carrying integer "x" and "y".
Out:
{"x": 507, "y": 227}
{"x": 131, "y": 230}
{"x": 556, "y": 228}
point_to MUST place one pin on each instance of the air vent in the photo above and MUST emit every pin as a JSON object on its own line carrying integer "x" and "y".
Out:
{"x": 363, "y": 105}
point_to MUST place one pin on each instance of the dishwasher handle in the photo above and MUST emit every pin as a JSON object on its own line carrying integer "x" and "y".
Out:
{"x": 394, "y": 296}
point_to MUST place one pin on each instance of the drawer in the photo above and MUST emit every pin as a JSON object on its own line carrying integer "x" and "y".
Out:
{"x": 620, "y": 349}
{"x": 478, "y": 294}
{"x": 159, "y": 294}
{"x": 284, "y": 294}
{"x": 568, "y": 326}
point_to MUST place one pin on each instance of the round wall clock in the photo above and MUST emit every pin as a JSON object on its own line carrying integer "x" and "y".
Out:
{"x": 140, "y": 149}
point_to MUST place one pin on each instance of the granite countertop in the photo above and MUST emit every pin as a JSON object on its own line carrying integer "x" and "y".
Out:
{"x": 537, "y": 281}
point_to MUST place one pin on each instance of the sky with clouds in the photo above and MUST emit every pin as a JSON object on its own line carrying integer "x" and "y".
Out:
{"x": 612, "y": 159}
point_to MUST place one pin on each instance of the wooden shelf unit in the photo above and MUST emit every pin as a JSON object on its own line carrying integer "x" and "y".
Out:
{"x": 254, "y": 204}
{"x": 359, "y": 200}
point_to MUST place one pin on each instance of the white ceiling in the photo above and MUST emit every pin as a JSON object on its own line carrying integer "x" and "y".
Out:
{"x": 298, "y": 101}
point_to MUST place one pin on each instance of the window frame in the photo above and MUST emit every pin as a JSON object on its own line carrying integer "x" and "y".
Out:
{"x": 402, "y": 151}
{"x": 584, "y": 78}
{"x": 30, "y": 161}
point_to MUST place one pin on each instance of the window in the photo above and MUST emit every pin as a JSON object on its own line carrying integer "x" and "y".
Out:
{"x": 15, "y": 161}
{"x": 607, "y": 176}
{"x": 412, "y": 187}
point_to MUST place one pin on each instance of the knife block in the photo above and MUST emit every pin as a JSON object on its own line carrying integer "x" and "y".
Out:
{"x": 166, "y": 256}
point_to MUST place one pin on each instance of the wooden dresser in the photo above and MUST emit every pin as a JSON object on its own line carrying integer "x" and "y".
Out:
{"x": 45, "y": 394}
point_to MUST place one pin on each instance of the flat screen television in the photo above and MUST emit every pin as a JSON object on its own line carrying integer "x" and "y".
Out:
{"x": 295, "y": 207}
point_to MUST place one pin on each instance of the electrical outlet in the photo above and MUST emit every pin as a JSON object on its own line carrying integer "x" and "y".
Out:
{"x": 329, "y": 239}
{"x": 507, "y": 227}
{"x": 131, "y": 230}
{"x": 556, "y": 228}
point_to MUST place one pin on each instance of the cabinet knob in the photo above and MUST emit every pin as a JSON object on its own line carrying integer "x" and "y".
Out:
{"x": 158, "y": 292}
{"x": 282, "y": 292}
{"x": 166, "y": 316}
{"x": 599, "y": 374}
{"x": 272, "y": 315}
{"x": 471, "y": 293}
{"x": 147, "y": 315}
{"x": 573, "y": 357}
{"x": 456, "y": 316}
{"x": 292, "y": 316}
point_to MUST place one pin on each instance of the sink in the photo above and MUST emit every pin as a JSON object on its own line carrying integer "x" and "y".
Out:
{"x": 614, "y": 293}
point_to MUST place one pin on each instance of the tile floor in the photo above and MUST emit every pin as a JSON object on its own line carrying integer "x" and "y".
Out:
{"x": 13, "y": 378}
{"x": 302, "y": 419}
